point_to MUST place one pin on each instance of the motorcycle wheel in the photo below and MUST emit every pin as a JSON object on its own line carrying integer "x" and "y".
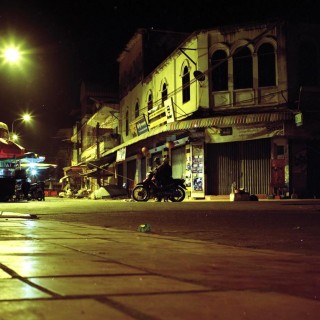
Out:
{"x": 178, "y": 195}
{"x": 38, "y": 195}
{"x": 140, "y": 193}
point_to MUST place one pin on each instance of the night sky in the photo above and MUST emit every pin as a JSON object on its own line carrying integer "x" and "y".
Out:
{"x": 67, "y": 41}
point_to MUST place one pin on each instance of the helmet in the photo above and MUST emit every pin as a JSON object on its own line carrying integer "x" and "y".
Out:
{"x": 157, "y": 160}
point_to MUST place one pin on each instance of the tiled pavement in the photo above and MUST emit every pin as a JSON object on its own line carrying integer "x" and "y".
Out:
{"x": 65, "y": 271}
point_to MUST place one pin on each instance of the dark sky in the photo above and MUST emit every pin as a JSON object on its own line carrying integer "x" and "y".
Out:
{"x": 67, "y": 41}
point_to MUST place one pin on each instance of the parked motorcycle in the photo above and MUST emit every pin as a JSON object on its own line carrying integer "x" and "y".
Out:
{"x": 36, "y": 191}
{"x": 148, "y": 189}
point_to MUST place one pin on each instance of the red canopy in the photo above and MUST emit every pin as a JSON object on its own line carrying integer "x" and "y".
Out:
{"x": 9, "y": 149}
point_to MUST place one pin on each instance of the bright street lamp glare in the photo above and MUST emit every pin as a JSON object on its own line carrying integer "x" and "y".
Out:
{"x": 12, "y": 55}
{"x": 26, "y": 117}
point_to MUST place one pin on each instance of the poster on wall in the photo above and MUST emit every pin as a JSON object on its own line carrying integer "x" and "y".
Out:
{"x": 121, "y": 154}
{"x": 243, "y": 133}
{"x": 197, "y": 170}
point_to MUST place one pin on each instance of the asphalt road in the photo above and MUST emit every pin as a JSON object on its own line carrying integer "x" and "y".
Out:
{"x": 286, "y": 225}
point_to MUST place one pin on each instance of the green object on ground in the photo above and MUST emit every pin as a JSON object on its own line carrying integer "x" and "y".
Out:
{"x": 144, "y": 228}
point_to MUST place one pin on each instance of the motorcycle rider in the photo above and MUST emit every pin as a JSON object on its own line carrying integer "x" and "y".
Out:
{"x": 162, "y": 173}
{"x": 150, "y": 189}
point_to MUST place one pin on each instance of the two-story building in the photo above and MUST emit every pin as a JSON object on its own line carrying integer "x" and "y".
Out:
{"x": 233, "y": 107}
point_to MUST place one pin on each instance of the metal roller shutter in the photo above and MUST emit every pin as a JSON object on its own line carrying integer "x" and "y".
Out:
{"x": 245, "y": 163}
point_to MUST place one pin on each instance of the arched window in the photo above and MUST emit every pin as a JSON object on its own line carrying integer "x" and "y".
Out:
{"x": 242, "y": 68}
{"x": 136, "y": 110}
{"x": 219, "y": 73}
{"x": 150, "y": 102}
{"x": 127, "y": 123}
{"x": 266, "y": 65}
{"x": 186, "y": 85}
{"x": 308, "y": 64}
{"x": 164, "y": 93}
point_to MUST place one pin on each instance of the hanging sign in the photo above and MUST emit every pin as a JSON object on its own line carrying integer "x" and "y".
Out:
{"x": 298, "y": 119}
{"x": 121, "y": 154}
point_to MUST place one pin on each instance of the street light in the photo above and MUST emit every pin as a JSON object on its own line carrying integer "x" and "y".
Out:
{"x": 25, "y": 118}
{"x": 12, "y": 54}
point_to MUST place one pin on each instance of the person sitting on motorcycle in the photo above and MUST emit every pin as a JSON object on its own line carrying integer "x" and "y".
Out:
{"x": 162, "y": 172}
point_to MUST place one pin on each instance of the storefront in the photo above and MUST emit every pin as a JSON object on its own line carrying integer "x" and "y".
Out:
{"x": 213, "y": 154}
{"x": 245, "y": 164}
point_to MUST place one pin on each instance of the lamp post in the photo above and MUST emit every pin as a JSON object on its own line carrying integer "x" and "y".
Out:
{"x": 25, "y": 118}
{"x": 11, "y": 53}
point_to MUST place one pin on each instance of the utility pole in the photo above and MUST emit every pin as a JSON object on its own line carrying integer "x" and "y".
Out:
{"x": 98, "y": 152}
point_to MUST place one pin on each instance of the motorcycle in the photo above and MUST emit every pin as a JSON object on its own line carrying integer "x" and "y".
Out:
{"x": 148, "y": 189}
{"x": 36, "y": 191}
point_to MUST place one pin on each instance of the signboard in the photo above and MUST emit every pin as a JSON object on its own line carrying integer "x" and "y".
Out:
{"x": 226, "y": 131}
{"x": 162, "y": 114}
{"x": 142, "y": 126}
{"x": 197, "y": 170}
{"x": 6, "y": 164}
{"x": 121, "y": 154}
{"x": 244, "y": 132}
{"x": 298, "y": 119}
{"x": 169, "y": 110}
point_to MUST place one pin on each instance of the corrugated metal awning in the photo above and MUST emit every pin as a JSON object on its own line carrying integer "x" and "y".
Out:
{"x": 230, "y": 120}
{"x": 143, "y": 136}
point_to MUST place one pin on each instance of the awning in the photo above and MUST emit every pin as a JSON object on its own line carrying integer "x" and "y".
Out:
{"x": 29, "y": 157}
{"x": 73, "y": 170}
{"x": 221, "y": 121}
{"x": 231, "y": 120}
{"x": 100, "y": 167}
{"x": 95, "y": 173}
{"x": 9, "y": 149}
{"x": 25, "y": 157}
{"x": 103, "y": 162}
{"x": 38, "y": 166}
{"x": 143, "y": 136}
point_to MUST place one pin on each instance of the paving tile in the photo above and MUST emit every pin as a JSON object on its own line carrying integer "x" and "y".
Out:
{"x": 4, "y": 275}
{"x": 28, "y": 247}
{"x": 46, "y": 233}
{"x": 228, "y": 305}
{"x": 81, "y": 244}
{"x": 16, "y": 289}
{"x": 114, "y": 285}
{"x": 64, "y": 265}
{"x": 84, "y": 309}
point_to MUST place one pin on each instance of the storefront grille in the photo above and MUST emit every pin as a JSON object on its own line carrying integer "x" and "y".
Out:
{"x": 247, "y": 164}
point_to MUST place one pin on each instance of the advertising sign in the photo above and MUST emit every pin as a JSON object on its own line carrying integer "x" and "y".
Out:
{"x": 142, "y": 126}
{"x": 162, "y": 114}
{"x": 121, "y": 154}
{"x": 243, "y": 133}
{"x": 197, "y": 170}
